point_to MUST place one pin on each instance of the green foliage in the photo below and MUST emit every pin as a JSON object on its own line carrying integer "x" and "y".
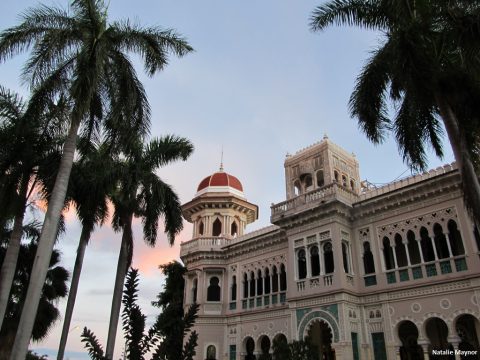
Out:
{"x": 174, "y": 324}
{"x": 55, "y": 287}
{"x": 295, "y": 350}
{"x": 428, "y": 53}
{"x": 31, "y": 355}
{"x": 138, "y": 341}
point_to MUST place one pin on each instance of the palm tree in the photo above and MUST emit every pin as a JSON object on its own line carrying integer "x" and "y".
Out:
{"x": 141, "y": 193}
{"x": 428, "y": 65}
{"x": 29, "y": 146}
{"x": 88, "y": 190}
{"x": 54, "y": 288}
{"x": 86, "y": 56}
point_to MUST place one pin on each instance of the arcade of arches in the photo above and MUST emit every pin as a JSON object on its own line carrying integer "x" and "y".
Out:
{"x": 437, "y": 337}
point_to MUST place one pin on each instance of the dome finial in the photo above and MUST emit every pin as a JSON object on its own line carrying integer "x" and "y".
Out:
{"x": 221, "y": 160}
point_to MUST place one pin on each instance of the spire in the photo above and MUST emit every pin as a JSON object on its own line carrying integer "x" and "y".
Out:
{"x": 221, "y": 160}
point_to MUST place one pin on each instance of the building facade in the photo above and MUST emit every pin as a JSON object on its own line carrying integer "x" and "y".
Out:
{"x": 365, "y": 273}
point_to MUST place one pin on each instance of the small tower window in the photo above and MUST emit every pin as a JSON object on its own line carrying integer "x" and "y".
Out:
{"x": 213, "y": 291}
{"x": 274, "y": 279}
{"x": 344, "y": 180}
{"x": 217, "y": 227}
{"x": 201, "y": 228}
{"x": 259, "y": 282}
{"x": 320, "y": 179}
{"x": 352, "y": 184}
{"x": 335, "y": 176}
{"x": 234, "y": 229}
{"x": 297, "y": 188}
{"x": 307, "y": 182}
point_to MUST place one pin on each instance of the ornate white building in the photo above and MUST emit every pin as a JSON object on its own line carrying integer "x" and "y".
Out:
{"x": 379, "y": 273}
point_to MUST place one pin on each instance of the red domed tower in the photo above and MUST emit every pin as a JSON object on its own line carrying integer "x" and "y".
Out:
{"x": 219, "y": 208}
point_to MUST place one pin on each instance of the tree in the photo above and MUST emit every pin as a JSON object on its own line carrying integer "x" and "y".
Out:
{"x": 28, "y": 157}
{"x": 54, "y": 288}
{"x": 139, "y": 342}
{"x": 88, "y": 189}
{"x": 140, "y": 192}
{"x": 83, "y": 54}
{"x": 428, "y": 65}
{"x": 174, "y": 324}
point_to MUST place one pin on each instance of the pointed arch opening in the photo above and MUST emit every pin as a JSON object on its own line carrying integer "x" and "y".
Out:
{"x": 217, "y": 227}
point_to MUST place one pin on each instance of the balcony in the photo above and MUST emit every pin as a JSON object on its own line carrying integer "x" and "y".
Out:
{"x": 426, "y": 270}
{"x": 312, "y": 199}
{"x": 265, "y": 301}
{"x": 203, "y": 244}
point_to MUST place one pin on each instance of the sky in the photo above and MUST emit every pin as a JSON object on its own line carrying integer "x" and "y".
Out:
{"x": 259, "y": 85}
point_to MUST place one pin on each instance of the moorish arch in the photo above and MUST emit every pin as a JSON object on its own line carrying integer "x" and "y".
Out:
{"x": 321, "y": 336}
{"x": 319, "y": 315}
{"x": 467, "y": 328}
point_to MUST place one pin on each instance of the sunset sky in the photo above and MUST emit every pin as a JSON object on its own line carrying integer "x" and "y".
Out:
{"x": 260, "y": 84}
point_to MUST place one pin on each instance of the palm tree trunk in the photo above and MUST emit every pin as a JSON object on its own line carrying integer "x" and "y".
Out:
{"x": 45, "y": 246}
{"x": 470, "y": 182}
{"x": 10, "y": 261}
{"x": 122, "y": 268}
{"x": 72, "y": 295}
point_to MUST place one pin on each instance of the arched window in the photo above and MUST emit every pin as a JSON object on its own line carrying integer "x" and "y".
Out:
{"x": 413, "y": 251}
{"x": 400, "y": 252}
{"x": 234, "y": 229}
{"x": 320, "y": 178}
{"x": 245, "y": 286}
{"x": 283, "y": 278}
{"x": 307, "y": 182}
{"x": 344, "y": 180}
{"x": 440, "y": 242}
{"x": 388, "y": 254}
{"x": 301, "y": 264}
{"x": 201, "y": 228}
{"x": 335, "y": 176}
{"x": 211, "y": 352}
{"x": 345, "y": 258}
{"x": 297, "y": 187}
{"x": 252, "y": 284}
{"x": 426, "y": 244}
{"x": 328, "y": 258}
{"x": 213, "y": 291}
{"x": 274, "y": 279}
{"x": 194, "y": 290}
{"x": 217, "y": 227}
{"x": 233, "y": 289}
{"x": 259, "y": 282}
{"x": 368, "y": 262}
{"x": 267, "y": 281}
{"x": 352, "y": 184}
{"x": 314, "y": 261}
{"x": 455, "y": 238}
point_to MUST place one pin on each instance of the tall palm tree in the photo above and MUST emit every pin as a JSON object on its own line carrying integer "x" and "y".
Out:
{"x": 141, "y": 193}
{"x": 428, "y": 64}
{"x": 54, "y": 288}
{"x": 29, "y": 145}
{"x": 85, "y": 55}
{"x": 88, "y": 189}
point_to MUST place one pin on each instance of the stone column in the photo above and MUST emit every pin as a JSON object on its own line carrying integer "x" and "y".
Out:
{"x": 424, "y": 346}
{"x": 455, "y": 341}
